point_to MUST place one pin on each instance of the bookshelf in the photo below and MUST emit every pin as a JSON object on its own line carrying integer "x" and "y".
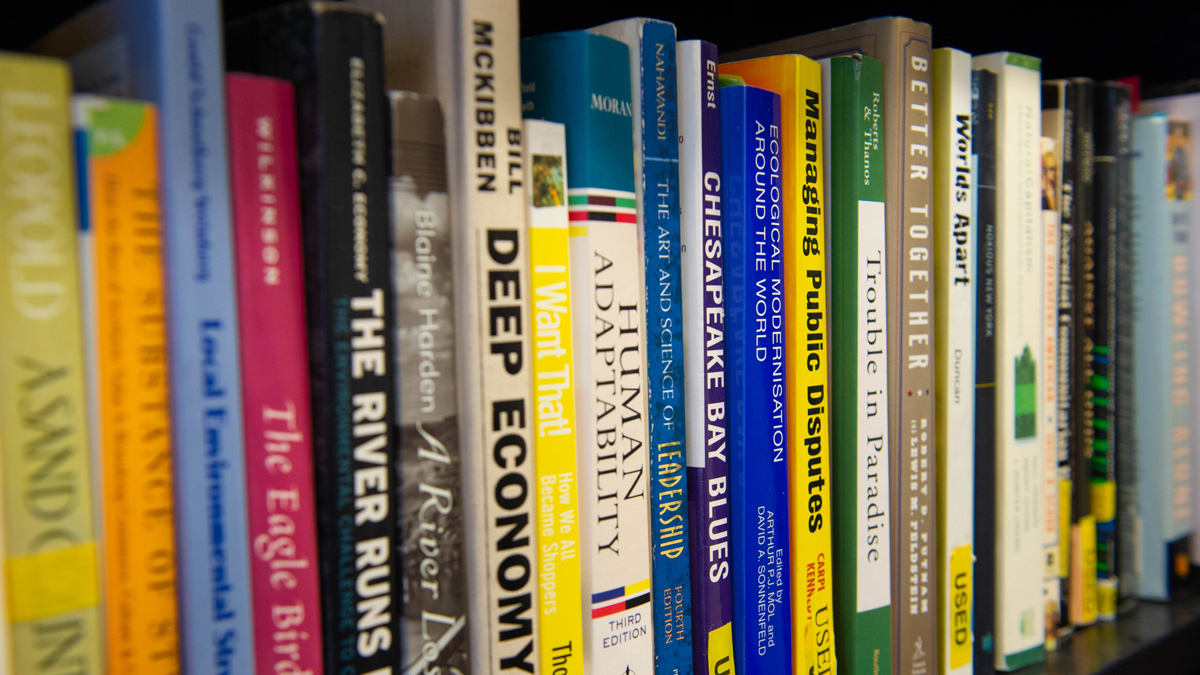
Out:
{"x": 1151, "y": 39}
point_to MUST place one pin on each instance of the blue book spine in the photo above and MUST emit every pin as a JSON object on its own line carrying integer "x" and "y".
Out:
{"x": 664, "y": 353}
{"x": 1162, "y": 329}
{"x": 762, "y": 611}
{"x": 175, "y": 58}
{"x": 703, "y": 263}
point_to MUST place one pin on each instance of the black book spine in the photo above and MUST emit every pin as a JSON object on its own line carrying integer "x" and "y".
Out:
{"x": 1101, "y": 382}
{"x": 333, "y": 54}
{"x": 983, "y": 100}
{"x": 1126, "y": 452}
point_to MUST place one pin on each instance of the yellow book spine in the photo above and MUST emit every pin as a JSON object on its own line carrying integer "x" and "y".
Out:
{"x": 560, "y": 631}
{"x": 121, "y": 240}
{"x": 797, "y": 80}
{"x": 49, "y": 545}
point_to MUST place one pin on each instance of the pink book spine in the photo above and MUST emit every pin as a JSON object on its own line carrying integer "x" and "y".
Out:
{"x": 275, "y": 385}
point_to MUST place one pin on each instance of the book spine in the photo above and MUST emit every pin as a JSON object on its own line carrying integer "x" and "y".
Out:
{"x": 563, "y": 75}
{"x": 1051, "y": 584}
{"x": 1101, "y": 385}
{"x": 670, "y": 562}
{"x": 703, "y": 283}
{"x": 120, "y": 235}
{"x": 560, "y": 586}
{"x": 751, "y": 134}
{"x": 806, "y": 332}
{"x": 1123, "y": 380}
{"x": 983, "y": 151}
{"x": 955, "y": 276}
{"x": 175, "y": 61}
{"x": 1020, "y": 618}
{"x": 859, "y": 401}
{"x": 434, "y": 622}
{"x": 912, "y": 345}
{"x": 1163, "y": 218}
{"x": 50, "y": 551}
{"x": 488, "y": 194}
{"x": 1077, "y": 211}
{"x": 269, "y": 248}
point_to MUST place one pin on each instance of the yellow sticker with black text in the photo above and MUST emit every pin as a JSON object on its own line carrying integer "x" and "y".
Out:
{"x": 960, "y": 606}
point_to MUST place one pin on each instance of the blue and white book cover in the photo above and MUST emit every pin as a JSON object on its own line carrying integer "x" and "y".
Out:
{"x": 656, "y": 158}
{"x": 170, "y": 52}
{"x": 1163, "y": 192}
{"x": 750, "y": 138}
{"x": 583, "y": 81}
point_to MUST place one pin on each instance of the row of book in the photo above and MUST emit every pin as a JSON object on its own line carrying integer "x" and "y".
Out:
{"x": 840, "y": 351}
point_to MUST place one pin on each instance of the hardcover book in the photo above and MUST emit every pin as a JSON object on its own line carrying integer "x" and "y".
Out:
{"x": 1181, "y": 102}
{"x": 983, "y": 157}
{"x": 1020, "y": 290}
{"x": 1111, "y": 120}
{"x": 433, "y": 627}
{"x": 582, "y": 80}
{"x": 1164, "y": 192}
{"x": 120, "y": 261}
{"x": 50, "y": 556}
{"x": 169, "y": 52}
{"x": 703, "y": 279}
{"x": 467, "y": 54}
{"x": 269, "y": 248}
{"x": 797, "y": 80}
{"x": 955, "y": 276}
{"x": 862, "y": 588}
{"x": 758, "y": 452}
{"x": 906, "y": 46}
{"x": 332, "y": 54}
{"x": 554, "y": 382}
{"x": 656, "y": 176}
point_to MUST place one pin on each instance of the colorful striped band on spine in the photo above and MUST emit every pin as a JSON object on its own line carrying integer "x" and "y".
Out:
{"x": 599, "y": 205}
{"x": 620, "y": 598}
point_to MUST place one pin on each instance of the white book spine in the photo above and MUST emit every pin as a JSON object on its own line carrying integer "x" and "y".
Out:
{"x": 954, "y": 295}
{"x": 1020, "y": 378}
{"x": 477, "y": 67}
{"x": 691, "y": 230}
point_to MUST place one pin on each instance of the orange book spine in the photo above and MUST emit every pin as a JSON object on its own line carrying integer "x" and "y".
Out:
{"x": 121, "y": 252}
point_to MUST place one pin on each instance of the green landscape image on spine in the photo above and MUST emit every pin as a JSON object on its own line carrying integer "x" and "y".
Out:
{"x": 1025, "y": 392}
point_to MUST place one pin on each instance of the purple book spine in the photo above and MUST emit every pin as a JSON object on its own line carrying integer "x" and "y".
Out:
{"x": 704, "y": 321}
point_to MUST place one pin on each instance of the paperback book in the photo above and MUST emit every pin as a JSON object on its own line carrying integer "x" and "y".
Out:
{"x": 120, "y": 262}
{"x": 433, "y": 626}
{"x": 703, "y": 276}
{"x": 955, "y": 277}
{"x": 563, "y": 73}
{"x": 554, "y": 383}
{"x": 983, "y": 158}
{"x": 751, "y": 138}
{"x": 269, "y": 250}
{"x": 50, "y": 553}
{"x": 1020, "y": 289}
{"x": 1162, "y": 329}
{"x": 862, "y": 588}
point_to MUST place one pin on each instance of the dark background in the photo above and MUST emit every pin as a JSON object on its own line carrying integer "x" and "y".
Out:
{"x": 1158, "y": 40}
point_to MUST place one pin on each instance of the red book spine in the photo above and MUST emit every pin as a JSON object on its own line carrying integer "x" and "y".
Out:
{"x": 275, "y": 383}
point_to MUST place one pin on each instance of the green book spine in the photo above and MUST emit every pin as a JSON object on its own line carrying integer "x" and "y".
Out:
{"x": 858, "y": 296}
{"x": 49, "y": 547}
